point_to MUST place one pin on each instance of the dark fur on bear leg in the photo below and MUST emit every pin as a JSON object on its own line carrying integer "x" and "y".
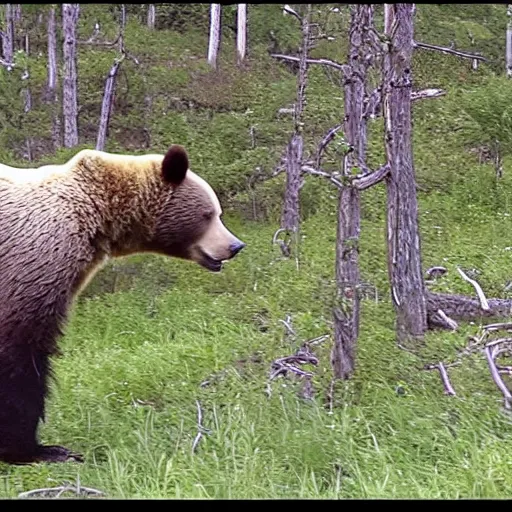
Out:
{"x": 23, "y": 387}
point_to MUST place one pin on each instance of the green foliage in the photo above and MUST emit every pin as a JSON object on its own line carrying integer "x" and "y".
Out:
{"x": 488, "y": 106}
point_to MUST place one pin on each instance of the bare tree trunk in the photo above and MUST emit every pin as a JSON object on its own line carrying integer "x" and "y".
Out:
{"x": 27, "y": 103}
{"x": 241, "y": 33}
{"x": 110, "y": 85}
{"x": 214, "y": 42}
{"x": 346, "y": 312}
{"x": 8, "y": 36}
{"x": 16, "y": 13}
{"x": 404, "y": 251}
{"x": 70, "y": 13}
{"x": 294, "y": 153}
{"x": 53, "y": 78}
{"x": 509, "y": 41}
{"x": 151, "y": 16}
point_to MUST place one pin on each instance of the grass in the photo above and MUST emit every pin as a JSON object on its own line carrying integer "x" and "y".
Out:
{"x": 134, "y": 361}
{"x": 149, "y": 331}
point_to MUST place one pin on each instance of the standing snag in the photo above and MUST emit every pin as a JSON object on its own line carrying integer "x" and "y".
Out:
{"x": 214, "y": 40}
{"x": 241, "y": 32}
{"x": 27, "y": 100}
{"x": 294, "y": 151}
{"x": 8, "y": 36}
{"x": 70, "y": 13}
{"x": 404, "y": 252}
{"x": 151, "y": 16}
{"x": 110, "y": 85}
{"x": 53, "y": 96}
{"x": 346, "y": 309}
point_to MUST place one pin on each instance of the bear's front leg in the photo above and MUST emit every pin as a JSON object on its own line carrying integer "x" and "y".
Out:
{"x": 23, "y": 389}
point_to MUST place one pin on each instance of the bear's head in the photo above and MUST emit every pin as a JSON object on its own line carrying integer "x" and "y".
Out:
{"x": 188, "y": 223}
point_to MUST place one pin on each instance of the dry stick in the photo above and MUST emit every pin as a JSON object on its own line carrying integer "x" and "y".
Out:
{"x": 200, "y": 428}
{"x": 315, "y": 172}
{"x": 285, "y": 248}
{"x": 325, "y": 62}
{"x": 441, "y": 367}
{"x": 287, "y": 324}
{"x": 436, "y": 271}
{"x": 449, "y": 321}
{"x": 481, "y": 296}
{"x": 446, "y": 380}
{"x": 448, "y": 388}
{"x": 326, "y": 139}
{"x": 427, "y": 93}
{"x": 498, "y": 327}
{"x": 61, "y": 489}
{"x": 465, "y": 55}
{"x": 6, "y": 64}
{"x": 497, "y": 377}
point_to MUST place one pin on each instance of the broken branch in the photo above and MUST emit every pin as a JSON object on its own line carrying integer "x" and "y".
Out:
{"x": 315, "y": 172}
{"x": 367, "y": 180}
{"x": 200, "y": 429}
{"x": 325, "y": 62}
{"x": 448, "y": 388}
{"x": 481, "y": 296}
{"x": 443, "y": 49}
{"x": 497, "y": 377}
{"x": 326, "y": 139}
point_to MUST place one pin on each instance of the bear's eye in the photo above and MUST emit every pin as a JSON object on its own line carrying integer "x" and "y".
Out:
{"x": 208, "y": 214}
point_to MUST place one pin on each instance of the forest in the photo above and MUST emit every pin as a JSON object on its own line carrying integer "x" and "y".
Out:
{"x": 359, "y": 346}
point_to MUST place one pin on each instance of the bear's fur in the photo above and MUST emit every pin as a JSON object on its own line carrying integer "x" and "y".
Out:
{"x": 58, "y": 225}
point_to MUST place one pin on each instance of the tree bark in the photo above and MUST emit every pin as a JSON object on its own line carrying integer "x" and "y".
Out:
{"x": 294, "y": 153}
{"x": 151, "y": 16}
{"x": 509, "y": 41}
{"x": 110, "y": 85}
{"x": 16, "y": 12}
{"x": 53, "y": 78}
{"x": 241, "y": 33}
{"x": 346, "y": 311}
{"x": 8, "y": 36}
{"x": 214, "y": 41}
{"x": 70, "y": 13}
{"x": 404, "y": 251}
{"x": 460, "y": 307}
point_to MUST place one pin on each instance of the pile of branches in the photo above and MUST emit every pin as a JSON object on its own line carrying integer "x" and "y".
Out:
{"x": 291, "y": 365}
{"x": 493, "y": 347}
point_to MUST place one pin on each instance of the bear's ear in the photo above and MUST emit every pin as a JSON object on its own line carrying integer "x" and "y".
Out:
{"x": 175, "y": 165}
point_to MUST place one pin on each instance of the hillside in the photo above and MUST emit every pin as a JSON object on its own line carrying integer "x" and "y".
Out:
{"x": 149, "y": 332}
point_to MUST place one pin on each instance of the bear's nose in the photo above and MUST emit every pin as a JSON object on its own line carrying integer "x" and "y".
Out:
{"x": 236, "y": 247}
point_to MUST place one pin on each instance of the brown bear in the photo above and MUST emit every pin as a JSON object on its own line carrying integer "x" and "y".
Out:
{"x": 58, "y": 225}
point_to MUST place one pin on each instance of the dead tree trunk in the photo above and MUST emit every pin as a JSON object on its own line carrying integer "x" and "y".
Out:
{"x": 214, "y": 41}
{"x": 294, "y": 152}
{"x": 241, "y": 32}
{"x": 70, "y": 13}
{"x": 8, "y": 35}
{"x": 509, "y": 41}
{"x": 151, "y": 16}
{"x": 53, "y": 96}
{"x": 346, "y": 311}
{"x": 27, "y": 100}
{"x": 110, "y": 84}
{"x": 16, "y": 12}
{"x": 404, "y": 252}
